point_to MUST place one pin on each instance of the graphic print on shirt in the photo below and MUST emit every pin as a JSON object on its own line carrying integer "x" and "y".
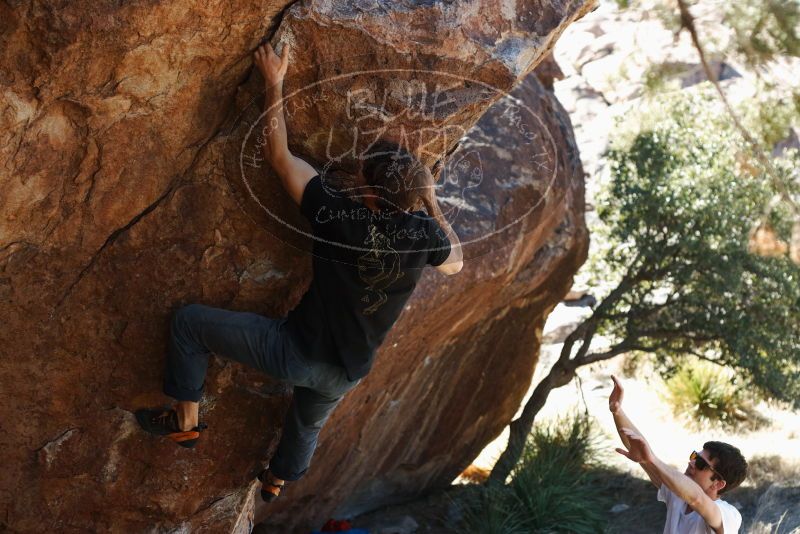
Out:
{"x": 379, "y": 268}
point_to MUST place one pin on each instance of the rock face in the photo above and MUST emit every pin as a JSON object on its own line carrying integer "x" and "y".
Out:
{"x": 130, "y": 188}
{"x": 436, "y": 400}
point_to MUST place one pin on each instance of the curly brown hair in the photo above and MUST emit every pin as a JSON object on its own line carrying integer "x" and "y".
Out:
{"x": 395, "y": 175}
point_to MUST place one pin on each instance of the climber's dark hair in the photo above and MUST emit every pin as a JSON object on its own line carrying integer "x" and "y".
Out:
{"x": 395, "y": 175}
{"x": 729, "y": 463}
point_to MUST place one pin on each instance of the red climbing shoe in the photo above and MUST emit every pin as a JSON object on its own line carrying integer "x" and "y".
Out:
{"x": 164, "y": 422}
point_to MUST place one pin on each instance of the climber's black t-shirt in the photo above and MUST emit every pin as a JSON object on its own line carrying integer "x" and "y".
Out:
{"x": 366, "y": 265}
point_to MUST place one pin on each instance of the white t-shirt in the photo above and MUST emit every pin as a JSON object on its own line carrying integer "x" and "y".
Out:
{"x": 679, "y": 522}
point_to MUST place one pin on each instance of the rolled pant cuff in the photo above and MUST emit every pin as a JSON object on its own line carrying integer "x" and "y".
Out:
{"x": 288, "y": 477}
{"x": 182, "y": 394}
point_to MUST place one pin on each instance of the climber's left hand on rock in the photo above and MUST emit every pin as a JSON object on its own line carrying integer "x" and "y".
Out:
{"x": 272, "y": 67}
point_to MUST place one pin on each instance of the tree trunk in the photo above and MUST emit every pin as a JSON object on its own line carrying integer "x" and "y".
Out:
{"x": 559, "y": 375}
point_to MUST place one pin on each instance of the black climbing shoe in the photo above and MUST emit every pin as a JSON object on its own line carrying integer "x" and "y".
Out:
{"x": 269, "y": 491}
{"x": 164, "y": 422}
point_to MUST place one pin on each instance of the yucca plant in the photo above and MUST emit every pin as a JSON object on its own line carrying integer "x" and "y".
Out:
{"x": 705, "y": 393}
{"x": 493, "y": 510}
{"x": 553, "y": 488}
{"x": 554, "y": 482}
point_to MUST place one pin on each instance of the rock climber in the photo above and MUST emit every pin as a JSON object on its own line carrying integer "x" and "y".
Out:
{"x": 692, "y": 497}
{"x": 367, "y": 259}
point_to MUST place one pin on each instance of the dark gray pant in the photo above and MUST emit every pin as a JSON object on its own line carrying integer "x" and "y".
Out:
{"x": 198, "y": 330}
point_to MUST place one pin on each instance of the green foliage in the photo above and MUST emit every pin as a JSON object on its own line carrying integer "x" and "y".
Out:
{"x": 704, "y": 393}
{"x": 554, "y": 473}
{"x": 553, "y": 488}
{"x": 660, "y": 77}
{"x": 632, "y": 364}
{"x": 769, "y": 119}
{"x": 493, "y": 510}
{"x": 796, "y": 102}
{"x": 676, "y": 216}
{"x": 764, "y": 29}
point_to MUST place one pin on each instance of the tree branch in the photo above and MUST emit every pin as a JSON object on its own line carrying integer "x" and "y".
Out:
{"x": 687, "y": 22}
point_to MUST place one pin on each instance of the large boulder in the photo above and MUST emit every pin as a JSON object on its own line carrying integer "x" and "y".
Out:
{"x": 456, "y": 367}
{"x": 129, "y": 190}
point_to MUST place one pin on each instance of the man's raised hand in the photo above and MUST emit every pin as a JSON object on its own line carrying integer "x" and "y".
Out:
{"x": 272, "y": 67}
{"x": 638, "y": 448}
{"x": 615, "y": 399}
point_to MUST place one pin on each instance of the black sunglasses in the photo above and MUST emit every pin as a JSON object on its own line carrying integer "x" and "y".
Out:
{"x": 701, "y": 463}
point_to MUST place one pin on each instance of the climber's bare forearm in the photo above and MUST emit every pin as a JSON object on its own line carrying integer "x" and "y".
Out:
{"x": 293, "y": 172}
{"x": 276, "y": 148}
